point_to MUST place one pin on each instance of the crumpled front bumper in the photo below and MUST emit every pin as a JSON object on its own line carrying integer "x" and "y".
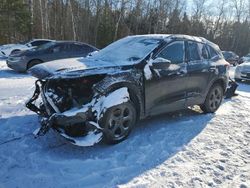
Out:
{"x": 61, "y": 121}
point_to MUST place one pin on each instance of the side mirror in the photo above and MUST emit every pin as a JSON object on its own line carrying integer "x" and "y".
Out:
{"x": 160, "y": 63}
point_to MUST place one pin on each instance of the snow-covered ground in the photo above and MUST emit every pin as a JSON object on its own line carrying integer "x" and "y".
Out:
{"x": 185, "y": 149}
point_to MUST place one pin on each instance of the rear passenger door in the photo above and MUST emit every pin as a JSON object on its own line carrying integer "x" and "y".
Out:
{"x": 198, "y": 70}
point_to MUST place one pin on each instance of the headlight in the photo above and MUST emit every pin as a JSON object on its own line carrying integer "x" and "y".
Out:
{"x": 16, "y": 59}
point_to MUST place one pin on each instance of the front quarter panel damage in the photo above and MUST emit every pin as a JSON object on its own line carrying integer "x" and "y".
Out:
{"x": 113, "y": 89}
{"x": 98, "y": 107}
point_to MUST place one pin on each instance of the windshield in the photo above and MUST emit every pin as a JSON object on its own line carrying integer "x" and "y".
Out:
{"x": 45, "y": 46}
{"x": 127, "y": 50}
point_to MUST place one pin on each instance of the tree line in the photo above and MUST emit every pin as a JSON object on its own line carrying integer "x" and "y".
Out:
{"x": 100, "y": 22}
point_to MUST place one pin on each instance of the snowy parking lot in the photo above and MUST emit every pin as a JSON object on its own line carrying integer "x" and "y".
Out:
{"x": 184, "y": 149}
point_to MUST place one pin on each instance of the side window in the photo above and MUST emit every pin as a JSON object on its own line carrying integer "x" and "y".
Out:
{"x": 38, "y": 43}
{"x": 203, "y": 51}
{"x": 87, "y": 49}
{"x": 173, "y": 52}
{"x": 213, "y": 53}
{"x": 79, "y": 48}
{"x": 194, "y": 52}
{"x": 60, "y": 48}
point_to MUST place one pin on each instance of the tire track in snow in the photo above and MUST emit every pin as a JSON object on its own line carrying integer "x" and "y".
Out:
{"x": 15, "y": 139}
{"x": 27, "y": 135}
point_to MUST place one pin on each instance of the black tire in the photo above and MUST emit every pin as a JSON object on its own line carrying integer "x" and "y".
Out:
{"x": 33, "y": 63}
{"x": 238, "y": 80}
{"x": 213, "y": 99}
{"x": 117, "y": 122}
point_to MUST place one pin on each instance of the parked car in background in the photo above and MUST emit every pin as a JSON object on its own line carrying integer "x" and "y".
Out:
{"x": 244, "y": 58}
{"x": 6, "y": 50}
{"x": 231, "y": 57}
{"x": 101, "y": 97}
{"x": 23, "y": 60}
{"x": 242, "y": 71}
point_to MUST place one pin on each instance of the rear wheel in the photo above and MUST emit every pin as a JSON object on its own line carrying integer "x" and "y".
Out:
{"x": 33, "y": 63}
{"x": 118, "y": 122}
{"x": 213, "y": 99}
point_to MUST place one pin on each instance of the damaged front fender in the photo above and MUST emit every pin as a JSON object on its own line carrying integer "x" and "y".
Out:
{"x": 87, "y": 115}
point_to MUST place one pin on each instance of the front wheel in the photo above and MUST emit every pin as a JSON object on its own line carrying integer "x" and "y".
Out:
{"x": 118, "y": 122}
{"x": 213, "y": 99}
{"x": 33, "y": 63}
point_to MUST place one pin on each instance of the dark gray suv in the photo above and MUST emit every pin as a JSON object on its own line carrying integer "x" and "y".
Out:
{"x": 102, "y": 96}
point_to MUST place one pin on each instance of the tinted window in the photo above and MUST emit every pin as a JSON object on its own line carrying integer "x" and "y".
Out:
{"x": 38, "y": 43}
{"x": 60, "y": 48}
{"x": 88, "y": 49}
{"x": 193, "y": 51}
{"x": 46, "y": 46}
{"x": 173, "y": 52}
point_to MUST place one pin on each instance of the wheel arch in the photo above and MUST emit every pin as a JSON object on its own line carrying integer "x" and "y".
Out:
{"x": 15, "y": 50}
{"x": 110, "y": 84}
{"x": 36, "y": 59}
{"x": 221, "y": 82}
{"x": 134, "y": 94}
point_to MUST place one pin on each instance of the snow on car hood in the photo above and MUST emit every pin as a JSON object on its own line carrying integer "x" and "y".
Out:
{"x": 71, "y": 67}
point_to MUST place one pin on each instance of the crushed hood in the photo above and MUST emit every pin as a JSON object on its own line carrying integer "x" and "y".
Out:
{"x": 71, "y": 67}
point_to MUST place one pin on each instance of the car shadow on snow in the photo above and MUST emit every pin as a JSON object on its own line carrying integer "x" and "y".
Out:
{"x": 9, "y": 73}
{"x": 152, "y": 142}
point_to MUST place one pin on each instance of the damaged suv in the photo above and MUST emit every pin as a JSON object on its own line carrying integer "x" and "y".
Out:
{"x": 101, "y": 97}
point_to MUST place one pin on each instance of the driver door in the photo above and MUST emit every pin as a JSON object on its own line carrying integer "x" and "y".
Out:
{"x": 166, "y": 90}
